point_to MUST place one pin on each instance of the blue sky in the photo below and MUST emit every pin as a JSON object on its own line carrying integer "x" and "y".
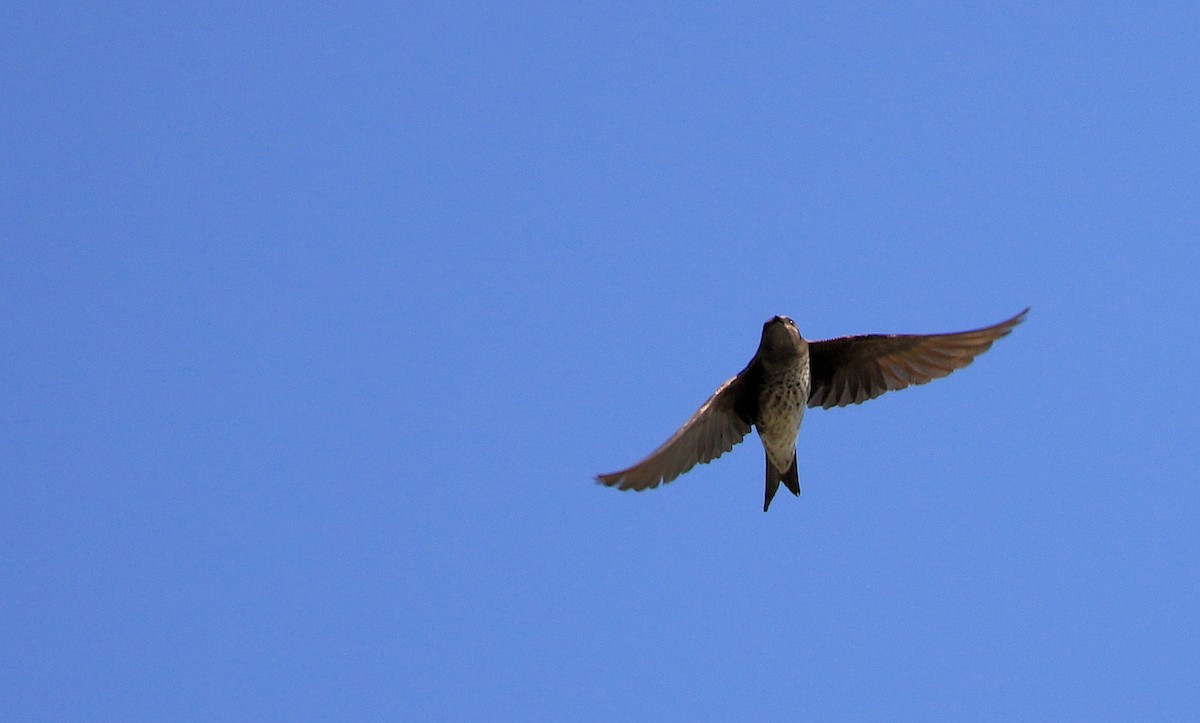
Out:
{"x": 318, "y": 322}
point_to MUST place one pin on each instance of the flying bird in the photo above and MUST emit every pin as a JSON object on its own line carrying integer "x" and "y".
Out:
{"x": 788, "y": 374}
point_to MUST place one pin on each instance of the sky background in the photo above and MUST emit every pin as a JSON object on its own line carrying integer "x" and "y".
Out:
{"x": 318, "y": 321}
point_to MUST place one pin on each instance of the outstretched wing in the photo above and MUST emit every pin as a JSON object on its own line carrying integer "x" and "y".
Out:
{"x": 720, "y": 423}
{"x": 853, "y": 369}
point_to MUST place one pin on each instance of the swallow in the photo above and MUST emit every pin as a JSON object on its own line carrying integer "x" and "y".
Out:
{"x": 789, "y": 374}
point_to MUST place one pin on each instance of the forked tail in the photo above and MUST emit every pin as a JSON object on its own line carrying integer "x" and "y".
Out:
{"x": 790, "y": 479}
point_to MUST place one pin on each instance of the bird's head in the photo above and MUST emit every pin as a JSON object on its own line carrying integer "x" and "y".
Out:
{"x": 780, "y": 338}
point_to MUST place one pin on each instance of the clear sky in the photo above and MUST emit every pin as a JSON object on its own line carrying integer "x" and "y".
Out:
{"x": 318, "y": 320}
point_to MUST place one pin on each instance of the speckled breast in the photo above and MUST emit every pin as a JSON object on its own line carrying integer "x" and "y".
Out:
{"x": 781, "y": 403}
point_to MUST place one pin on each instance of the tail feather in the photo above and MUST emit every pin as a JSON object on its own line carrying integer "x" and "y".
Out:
{"x": 790, "y": 479}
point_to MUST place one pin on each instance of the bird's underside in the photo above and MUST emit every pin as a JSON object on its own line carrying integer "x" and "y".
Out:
{"x": 788, "y": 374}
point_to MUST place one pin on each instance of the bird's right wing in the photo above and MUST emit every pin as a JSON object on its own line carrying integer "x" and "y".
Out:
{"x": 720, "y": 423}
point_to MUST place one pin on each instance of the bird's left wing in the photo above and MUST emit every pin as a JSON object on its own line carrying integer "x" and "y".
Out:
{"x": 720, "y": 423}
{"x": 853, "y": 369}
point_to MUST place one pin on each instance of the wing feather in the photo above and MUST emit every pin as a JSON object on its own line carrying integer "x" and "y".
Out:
{"x": 853, "y": 369}
{"x": 720, "y": 423}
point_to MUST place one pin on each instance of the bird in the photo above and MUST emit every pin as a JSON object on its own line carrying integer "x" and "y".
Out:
{"x": 789, "y": 374}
